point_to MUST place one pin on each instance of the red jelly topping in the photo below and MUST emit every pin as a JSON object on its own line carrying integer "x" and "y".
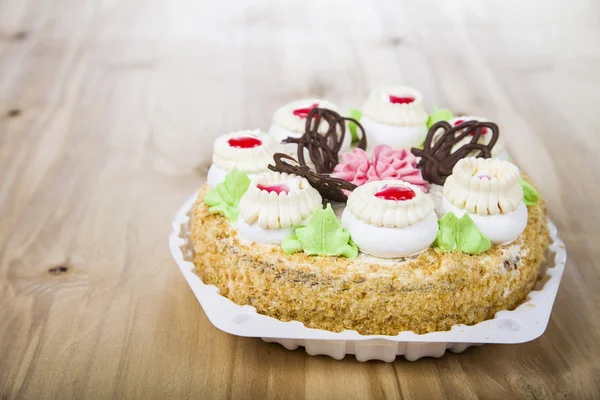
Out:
{"x": 460, "y": 121}
{"x": 397, "y": 193}
{"x": 401, "y": 99}
{"x": 244, "y": 142}
{"x": 303, "y": 112}
{"x": 277, "y": 188}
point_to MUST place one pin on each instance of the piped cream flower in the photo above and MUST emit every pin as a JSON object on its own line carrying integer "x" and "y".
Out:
{"x": 292, "y": 116}
{"x": 484, "y": 186}
{"x": 278, "y": 200}
{"x": 249, "y": 151}
{"x": 395, "y": 105}
{"x": 367, "y": 204}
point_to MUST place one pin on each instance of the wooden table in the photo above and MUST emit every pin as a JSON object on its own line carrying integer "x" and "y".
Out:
{"x": 108, "y": 110}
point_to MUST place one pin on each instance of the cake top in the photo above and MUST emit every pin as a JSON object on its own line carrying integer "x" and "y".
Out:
{"x": 384, "y": 188}
{"x": 248, "y": 150}
{"x": 395, "y": 105}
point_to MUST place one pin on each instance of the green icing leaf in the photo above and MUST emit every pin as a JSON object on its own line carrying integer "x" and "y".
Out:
{"x": 468, "y": 237}
{"x": 445, "y": 239}
{"x": 291, "y": 244}
{"x": 460, "y": 234}
{"x": 356, "y": 114}
{"x": 530, "y": 195}
{"x": 225, "y": 198}
{"x": 437, "y": 116}
{"x": 322, "y": 236}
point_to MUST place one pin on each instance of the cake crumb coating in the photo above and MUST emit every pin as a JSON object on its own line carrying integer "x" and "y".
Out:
{"x": 370, "y": 295}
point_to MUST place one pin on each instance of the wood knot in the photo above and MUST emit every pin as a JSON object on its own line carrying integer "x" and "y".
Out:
{"x": 20, "y": 36}
{"x": 13, "y": 112}
{"x": 59, "y": 269}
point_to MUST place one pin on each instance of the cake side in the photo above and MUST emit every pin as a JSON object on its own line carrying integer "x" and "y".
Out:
{"x": 431, "y": 292}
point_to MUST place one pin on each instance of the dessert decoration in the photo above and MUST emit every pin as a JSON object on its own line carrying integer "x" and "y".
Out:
{"x": 249, "y": 151}
{"x": 256, "y": 231}
{"x": 439, "y": 115}
{"x": 395, "y": 116}
{"x": 329, "y": 187}
{"x": 489, "y": 191}
{"x": 273, "y": 205}
{"x": 290, "y": 120}
{"x": 390, "y": 219}
{"x": 225, "y": 197}
{"x": 438, "y": 158}
{"x": 387, "y": 163}
{"x": 530, "y": 195}
{"x": 323, "y": 235}
{"x": 323, "y": 148}
{"x": 460, "y": 234}
{"x": 498, "y": 150}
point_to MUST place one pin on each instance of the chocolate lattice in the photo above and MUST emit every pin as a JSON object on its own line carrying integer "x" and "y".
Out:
{"x": 330, "y": 188}
{"x": 323, "y": 149}
{"x": 437, "y": 160}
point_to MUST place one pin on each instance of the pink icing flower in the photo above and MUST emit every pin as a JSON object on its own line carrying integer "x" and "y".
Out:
{"x": 387, "y": 164}
{"x": 354, "y": 167}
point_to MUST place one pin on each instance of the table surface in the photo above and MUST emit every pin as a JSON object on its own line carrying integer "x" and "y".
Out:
{"x": 108, "y": 110}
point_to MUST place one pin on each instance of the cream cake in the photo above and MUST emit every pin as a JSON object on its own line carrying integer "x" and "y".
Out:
{"x": 367, "y": 247}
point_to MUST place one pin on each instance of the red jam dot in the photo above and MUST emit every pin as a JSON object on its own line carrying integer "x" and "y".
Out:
{"x": 277, "y": 188}
{"x": 489, "y": 178}
{"x": 401, "y": 99}
{"x": 397, "y": 193}
{"x": 303, "y": 112}
{"x": 460, "y": 121}
{"x": 244, "y": 142}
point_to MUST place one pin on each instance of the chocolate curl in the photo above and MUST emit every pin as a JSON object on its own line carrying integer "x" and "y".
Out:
{"x": 330, "y": 188}
{"x": 323, "y": 149}
{"x": 438, "y": 160}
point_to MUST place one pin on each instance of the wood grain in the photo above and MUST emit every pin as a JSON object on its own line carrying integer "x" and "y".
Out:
{"x": 107, "y": 114}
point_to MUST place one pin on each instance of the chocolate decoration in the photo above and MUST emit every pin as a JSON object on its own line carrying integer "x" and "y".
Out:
{"x": 438, "y": 160}
{"x": 323, "y": 149}
{"x": 330, "y": 188}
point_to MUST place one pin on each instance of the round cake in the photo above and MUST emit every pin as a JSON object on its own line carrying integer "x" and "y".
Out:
{"x": 381, "y": 255}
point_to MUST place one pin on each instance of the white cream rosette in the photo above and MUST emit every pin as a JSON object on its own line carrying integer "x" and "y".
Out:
{"x": 273, "y": 205}
{"x": 390, "y": 228}
{"x": 400, "y": 125}
{"x": 252, "y": 160}
{"x": 285, "y": 118}
{"x": 290, "y": 121}
{"x": 489, "y": 191}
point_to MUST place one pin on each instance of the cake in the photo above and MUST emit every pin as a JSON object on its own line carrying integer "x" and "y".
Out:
{"x": 390, "y": 239}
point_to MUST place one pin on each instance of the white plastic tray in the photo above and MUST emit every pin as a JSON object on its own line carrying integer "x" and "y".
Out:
{"x": 525, "y": 323}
